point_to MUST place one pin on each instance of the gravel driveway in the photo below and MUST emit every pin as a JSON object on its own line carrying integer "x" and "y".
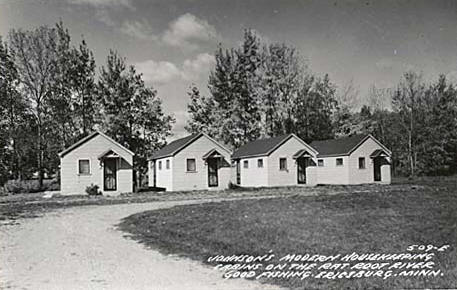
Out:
{"x": 79, "y": 248}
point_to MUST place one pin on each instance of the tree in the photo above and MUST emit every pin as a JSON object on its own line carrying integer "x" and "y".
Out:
{"x": 132, "y": 113}
{"x": 35, "y": 59}
{"x": 315, "y": 108}
{"x": 200, "y": 110}
{"x": 263, "y": 90}
{"x": 281, "y": 78}
{"x": 408, "y": 104}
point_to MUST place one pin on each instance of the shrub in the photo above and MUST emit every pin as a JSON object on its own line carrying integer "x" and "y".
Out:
{"x": 233, "y": 186}
{"x": 23, "y": 186}
{"x": 93, "y": 190}
{"x": 53, "y": 185}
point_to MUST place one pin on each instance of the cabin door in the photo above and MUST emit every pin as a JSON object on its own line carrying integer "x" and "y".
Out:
{"x": 213, "y": 179}
{"x": 238, "y": 172}
{"x": 301, "y": 170}
{"x": 377, "y": 168}
{"x": 110, "y": 174}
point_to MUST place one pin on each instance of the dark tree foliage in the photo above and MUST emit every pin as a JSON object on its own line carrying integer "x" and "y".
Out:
{"x": 132, "y": 112}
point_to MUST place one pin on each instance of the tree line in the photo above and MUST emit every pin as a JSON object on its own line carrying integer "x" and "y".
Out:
{"x": 51, "y": 96}
{"x": 261, "y": 89}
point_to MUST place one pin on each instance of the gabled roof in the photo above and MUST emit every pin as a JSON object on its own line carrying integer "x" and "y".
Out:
{"x": 263, "y": 147}
{"x": 301, "y": 153}
{"x": 211, "y": 153}
{"x": 174, "y": 147}
{"x": 89, "y": 137}
{"x": 342, "y": 146}
{"x": 378, "y": 152}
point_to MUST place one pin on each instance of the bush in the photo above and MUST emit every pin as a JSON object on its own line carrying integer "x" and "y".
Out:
{"x": 23, "y": 186}
{"x": 233, "y": 186}
{"x": 93, "y": 190}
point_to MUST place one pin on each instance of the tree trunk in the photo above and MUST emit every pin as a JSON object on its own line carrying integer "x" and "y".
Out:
{"x": 40, "y": 149}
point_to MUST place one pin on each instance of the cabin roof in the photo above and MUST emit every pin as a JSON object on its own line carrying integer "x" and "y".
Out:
{"x": 88, "y": 138}
{"x": 177, "y": 145}
{"x": 342, "y": 146}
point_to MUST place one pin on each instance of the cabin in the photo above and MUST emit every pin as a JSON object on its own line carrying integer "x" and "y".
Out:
{"x": 195, "y": 162}
{"x": 352, "y": 160}
{"x": 99, "y": 160}
{"x": 279, "y": 161}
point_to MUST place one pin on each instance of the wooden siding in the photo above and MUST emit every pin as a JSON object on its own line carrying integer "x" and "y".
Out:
{"x": 358, "y": 176}
{"x": 74, "y": 183}
{"x": 287, "y": 177}
{"x": 253, "y": 176}
{"x": 330, "y": 173}
{"x": 164, "y": 177}
{"x": 183, "y": 180}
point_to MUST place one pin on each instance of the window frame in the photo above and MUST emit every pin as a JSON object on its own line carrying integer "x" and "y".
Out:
{"x": 285, "y": 164}
{"x": 364, "y": 163}
{"x": 79, "y": 166}
{"x": 167, "y": 164}
{"x": 187, "y": 165}
{"x": 320, "y": 163}
{"x": 246, "y": 164}
{"x": 342, "y": 162}
{"x": 260, "y": 163}
{"x": 159, "y": 164}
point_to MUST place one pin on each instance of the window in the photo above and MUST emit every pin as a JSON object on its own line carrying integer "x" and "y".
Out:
{"x": 167, "y": 164}
{"x": 190, "y": 165}
{"x": 339, "y": 161}
{"x": 320, "y": 162}
{"x": 246, "y": 164}
{"x": 260, "y": 163}
{"x": 282, "y": 163}
{"x": 361, "y": 162}
{"x": 84, "y": 167}
{"x": 160, "y": 165}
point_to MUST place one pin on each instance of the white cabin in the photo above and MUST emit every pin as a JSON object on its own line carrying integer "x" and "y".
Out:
{"x": 280, "y": 161}
{"x": 195, "y": 162}
{"x": 352, "y": 160}
{"x": 99, "y": 160}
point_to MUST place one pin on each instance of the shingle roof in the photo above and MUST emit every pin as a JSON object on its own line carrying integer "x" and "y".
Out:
{"x": 260, "y": 147}
{"x": 175, "y": 146}
{"x": 340, "y": 146}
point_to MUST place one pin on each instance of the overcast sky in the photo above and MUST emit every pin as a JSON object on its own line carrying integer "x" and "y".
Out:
{"x": 172, "y": 42}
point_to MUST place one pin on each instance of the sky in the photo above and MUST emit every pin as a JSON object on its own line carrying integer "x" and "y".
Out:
{"x": 172, "y": 42}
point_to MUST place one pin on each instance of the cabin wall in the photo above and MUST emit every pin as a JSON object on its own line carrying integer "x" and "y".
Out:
{"x": 164, "y": 176}
{"x": 358, "y": 176}
{"x": 277, "y": 177}
{"x": 330, "y": 173}
{"x": 183, "y": 180}
{"x": 253, "y": 176}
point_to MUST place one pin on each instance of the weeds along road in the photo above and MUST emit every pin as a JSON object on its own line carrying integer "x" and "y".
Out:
{"x": 80, "y": 248}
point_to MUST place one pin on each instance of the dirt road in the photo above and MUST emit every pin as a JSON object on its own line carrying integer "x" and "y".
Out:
{"x": 79, "y": 248}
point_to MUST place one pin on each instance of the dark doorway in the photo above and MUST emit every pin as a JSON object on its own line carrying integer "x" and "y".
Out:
{"x": 377, "y": 162}
{"x": 110, "y": 174}
{"x": 238, "y": 172}
{"x": 301, "y": 170}
{"x": 213, "y": 179}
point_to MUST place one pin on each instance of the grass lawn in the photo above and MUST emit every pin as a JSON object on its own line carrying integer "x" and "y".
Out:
{"x": 376, "y": 220}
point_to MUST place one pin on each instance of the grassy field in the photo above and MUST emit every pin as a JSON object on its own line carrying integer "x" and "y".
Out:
{"x": 362, "y": 219}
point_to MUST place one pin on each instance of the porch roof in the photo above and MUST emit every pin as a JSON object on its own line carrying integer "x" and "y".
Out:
{"x": 301, "y": 153}
{"x": 213, "y": 153}
{"x": 378, "y": 152}
{"x": 110, "y": 153}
